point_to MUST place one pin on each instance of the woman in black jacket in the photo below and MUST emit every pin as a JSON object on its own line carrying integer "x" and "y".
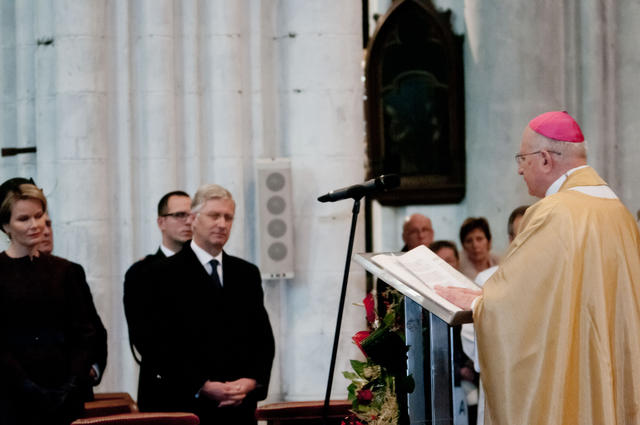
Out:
{"x": 46, "y": 330}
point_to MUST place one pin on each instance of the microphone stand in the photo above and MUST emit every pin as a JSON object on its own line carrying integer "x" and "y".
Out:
{"x": 343, "y": 294}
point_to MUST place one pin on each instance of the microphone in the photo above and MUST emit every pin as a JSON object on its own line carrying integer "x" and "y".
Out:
{"x": 357, "y": 191}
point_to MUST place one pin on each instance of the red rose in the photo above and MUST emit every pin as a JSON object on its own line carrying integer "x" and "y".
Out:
{"x": 364, "y": 396}
{"x": 351, "y": 420}
{"x": 359, "y": 337}
{"x": 370, "y": 307}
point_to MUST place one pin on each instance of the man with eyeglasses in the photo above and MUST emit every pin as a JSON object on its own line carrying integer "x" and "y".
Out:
{"x": 557, "y": 324}
{"x": 174, "y": 222}
{"x": 417, "y": 230}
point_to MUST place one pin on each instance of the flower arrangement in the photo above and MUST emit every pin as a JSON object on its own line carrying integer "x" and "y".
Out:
{"x": 380, "y": 383}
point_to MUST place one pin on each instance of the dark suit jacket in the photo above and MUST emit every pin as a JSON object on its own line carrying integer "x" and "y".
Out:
{"x": 197, "y": 332}
{"x": 137, "y": 289}
{"x": 98, "y": 354}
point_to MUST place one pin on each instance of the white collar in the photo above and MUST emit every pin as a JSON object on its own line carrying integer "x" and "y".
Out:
{"x": 203, "y": 256}
{"x": 166, "y": 251}
{"x": 555, "y": 186}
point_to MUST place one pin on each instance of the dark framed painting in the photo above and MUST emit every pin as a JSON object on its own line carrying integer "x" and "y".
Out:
{"x": 415, "y": 105}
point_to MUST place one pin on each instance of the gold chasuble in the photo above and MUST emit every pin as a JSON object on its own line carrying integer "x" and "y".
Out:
{"x": 558, "y": 325}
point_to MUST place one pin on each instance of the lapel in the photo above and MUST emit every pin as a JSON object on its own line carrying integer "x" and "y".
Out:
{"x": 188, "y": 269}
{"x": 198, "y": 276}
{"x": 227, "y": 270}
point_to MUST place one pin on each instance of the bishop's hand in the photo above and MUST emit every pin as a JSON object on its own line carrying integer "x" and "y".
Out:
{"x": 461, "y": 297}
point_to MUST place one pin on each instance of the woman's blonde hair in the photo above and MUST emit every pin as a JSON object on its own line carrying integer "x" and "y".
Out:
{"x": 19, "y": 192}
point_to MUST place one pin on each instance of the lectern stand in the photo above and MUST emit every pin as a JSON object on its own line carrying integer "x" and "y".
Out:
{"x": 430, "y": 363}
{"x": 430, "y": 355}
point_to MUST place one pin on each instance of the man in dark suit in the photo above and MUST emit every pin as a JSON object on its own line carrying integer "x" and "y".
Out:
{"x": 174, "y": 222}
{"x": 208, "y": 343}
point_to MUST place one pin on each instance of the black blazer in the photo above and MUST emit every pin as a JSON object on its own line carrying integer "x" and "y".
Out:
{"x": 196, "y": 332}
{"x": 137, "y": 289}
{"x": 99, "y": 349}
{"x": 48, "y": 339}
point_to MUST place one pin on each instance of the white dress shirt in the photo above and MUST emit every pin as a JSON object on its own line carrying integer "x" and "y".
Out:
{"x": 205, "y": 258}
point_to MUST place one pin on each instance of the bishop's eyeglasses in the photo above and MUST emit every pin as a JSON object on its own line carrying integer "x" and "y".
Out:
{"x": 520, "y": 156}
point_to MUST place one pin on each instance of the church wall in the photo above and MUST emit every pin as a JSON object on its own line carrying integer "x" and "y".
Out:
{"x": 626, "y": 141}
{"x": 126, "y": 101}
{"x": 522, "y": 59}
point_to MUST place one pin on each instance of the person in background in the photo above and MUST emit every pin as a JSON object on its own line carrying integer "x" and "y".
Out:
{"x": 46, "y": 326}
{"x": 513, "y": 228}
{"x": 467, "y": 334}
{"x": 46, "y": 246}
{"x": 99, "y": 352}
{"x": 416, "y": 230}
{"x": 513, "y": 225}
{"x": 448, "y": 251}
{"x": 475, "y": 237}
{"x": 174, "y": 221}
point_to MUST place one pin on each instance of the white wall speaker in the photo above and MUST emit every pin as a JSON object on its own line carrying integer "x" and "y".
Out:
{"x": 275, "y": 225}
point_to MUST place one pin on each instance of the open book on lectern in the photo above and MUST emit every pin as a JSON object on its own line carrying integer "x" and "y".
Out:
{"x": 415, "y": 274}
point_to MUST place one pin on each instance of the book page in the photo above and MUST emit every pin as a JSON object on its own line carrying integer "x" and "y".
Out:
{"x": 415, "y": 275}
{"x": 390, "y": 263}
{"x": 421, "y": 270}
{"x": 431, "y": 270}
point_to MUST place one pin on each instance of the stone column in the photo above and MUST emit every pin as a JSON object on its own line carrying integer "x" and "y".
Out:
{"x": 321, "y": 120}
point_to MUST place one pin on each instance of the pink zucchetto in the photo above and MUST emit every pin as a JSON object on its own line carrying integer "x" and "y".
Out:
{"x": 557, "y": 125}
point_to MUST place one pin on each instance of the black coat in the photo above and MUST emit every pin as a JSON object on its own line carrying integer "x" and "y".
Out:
{"x": 196, "y": 332}
{"x": 137, "y": 289}
{"x": 99, "y": 350}
{"x": 48, "y": 340}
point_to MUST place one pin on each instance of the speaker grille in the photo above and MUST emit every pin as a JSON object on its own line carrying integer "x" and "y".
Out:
{"x": 275, "y": 218}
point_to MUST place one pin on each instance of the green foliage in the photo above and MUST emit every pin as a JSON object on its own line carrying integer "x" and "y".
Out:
{"x": 358, "y": 366}
{"x": 375, "y": 381}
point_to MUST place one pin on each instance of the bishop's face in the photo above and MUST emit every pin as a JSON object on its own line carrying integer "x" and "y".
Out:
{"x": 530, "y": 164}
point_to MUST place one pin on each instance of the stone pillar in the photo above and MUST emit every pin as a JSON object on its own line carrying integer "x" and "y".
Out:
{"x": 321, "y": 119}
{"x": 79, "y": 193}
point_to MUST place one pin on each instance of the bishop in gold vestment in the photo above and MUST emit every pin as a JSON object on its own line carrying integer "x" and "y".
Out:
{"x": 558, "y": 325}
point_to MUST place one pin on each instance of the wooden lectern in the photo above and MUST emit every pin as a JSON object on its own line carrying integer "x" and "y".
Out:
{"x": 430, "y": 339}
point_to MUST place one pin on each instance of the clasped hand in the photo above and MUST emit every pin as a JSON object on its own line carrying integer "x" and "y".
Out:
{"x": 229, "y": 393}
